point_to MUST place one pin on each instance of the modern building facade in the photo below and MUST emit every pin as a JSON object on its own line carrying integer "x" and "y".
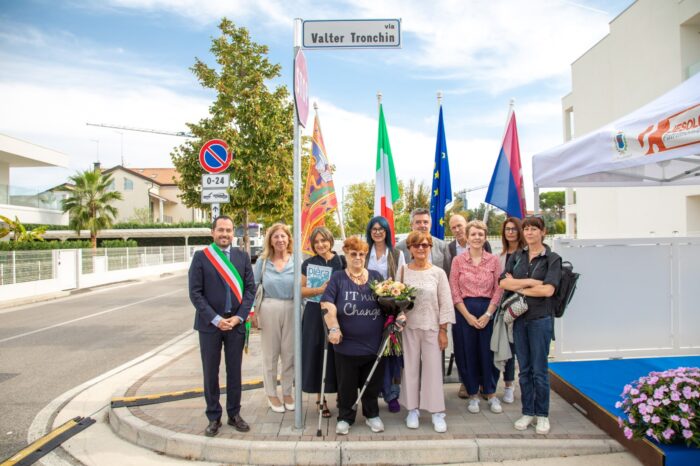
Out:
{"x": 26, "y": 203}
{"x": 652, "y": 47}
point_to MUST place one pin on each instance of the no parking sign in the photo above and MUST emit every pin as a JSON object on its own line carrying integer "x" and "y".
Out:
{"x": 214, "y": 156}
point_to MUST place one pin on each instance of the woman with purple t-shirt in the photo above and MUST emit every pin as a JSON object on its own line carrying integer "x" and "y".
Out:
{"x": 355, "y": 325}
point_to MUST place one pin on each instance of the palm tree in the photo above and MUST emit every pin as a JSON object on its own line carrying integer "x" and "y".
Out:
{"x": 19, "y": 232}
{"x": 89, "y": 202}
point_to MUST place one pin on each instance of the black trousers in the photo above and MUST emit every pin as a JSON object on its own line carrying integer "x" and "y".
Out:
{"x": 352, "y": 371}
{"x": 210, "y": 345}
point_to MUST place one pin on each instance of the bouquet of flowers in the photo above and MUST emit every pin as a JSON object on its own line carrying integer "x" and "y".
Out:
{"x": 393, "y": 298}
{"x": 663, "y": 406}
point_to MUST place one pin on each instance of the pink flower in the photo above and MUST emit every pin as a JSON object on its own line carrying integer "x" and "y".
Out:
{"x": 634, "y": 392}
{"x": 646, "y": 418}
{"x": 675, "y": 418}
{"x": 685, "y": 423}
{"x": 618, "y": 405}
{"x": 666, "y": 401}
{"x": 675, "y": 396}
{"x": 684, "y": 407}
{"x": 642, "y": 408}
{"x": 655, "y": 419}
{"x": 687, "y": 392}
{"x": 631, "y": 419}
{"x": 627, "y": 389}
{"x": 628, "y": 433}
{"x": 668, "y": 433}
{"x": 620, "y": 422}
{"x": 686, "y": 433}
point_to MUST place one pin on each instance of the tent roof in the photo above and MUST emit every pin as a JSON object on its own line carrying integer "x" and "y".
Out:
{"x": 658, "y": 144}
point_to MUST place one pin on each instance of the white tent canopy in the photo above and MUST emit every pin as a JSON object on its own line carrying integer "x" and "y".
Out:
{"x": 656, "y": 145}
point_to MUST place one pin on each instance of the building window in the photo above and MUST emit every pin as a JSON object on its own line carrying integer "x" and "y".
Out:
{"x": 128, "y": 185}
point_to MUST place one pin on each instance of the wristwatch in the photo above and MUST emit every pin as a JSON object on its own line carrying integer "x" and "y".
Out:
{"x": 489, "y": 314}
{"x": 333, "y": 329}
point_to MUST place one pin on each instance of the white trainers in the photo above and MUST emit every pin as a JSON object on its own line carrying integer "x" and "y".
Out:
{"x": 375, "y": 423}
{"x": 342, "y": 428}
{"x": 542, "y": 426}
{"x": 524, "y": 422}
{"x": 473, "y": 406}
{"x": 439, "y": 423}
{"x": 495, "y": 405}
{"x": 412, "y": 421}
{"x": 509, "y": 395}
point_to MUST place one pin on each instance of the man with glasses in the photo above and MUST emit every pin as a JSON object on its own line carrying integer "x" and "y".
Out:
{"x": 439, "y": 255}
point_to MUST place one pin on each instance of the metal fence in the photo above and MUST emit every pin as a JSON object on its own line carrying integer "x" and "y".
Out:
{"x": 27, "y": 266}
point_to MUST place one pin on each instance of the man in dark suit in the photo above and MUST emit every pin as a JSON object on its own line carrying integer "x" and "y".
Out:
{"x": 220, "y": 318}
{"x": 420, "y": 221}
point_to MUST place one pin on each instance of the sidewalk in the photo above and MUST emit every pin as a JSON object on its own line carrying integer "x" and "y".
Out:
{"x": 177, "y": 428}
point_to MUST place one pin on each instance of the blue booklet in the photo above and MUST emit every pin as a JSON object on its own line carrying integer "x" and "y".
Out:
{"x": 316, "y": 276}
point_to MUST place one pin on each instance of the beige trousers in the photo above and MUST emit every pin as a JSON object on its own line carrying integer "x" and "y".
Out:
{"x": 421, "y": 386}
{"x": 276, "y": 318}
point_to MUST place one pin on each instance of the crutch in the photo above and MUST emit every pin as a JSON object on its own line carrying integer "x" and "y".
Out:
{"x": 323, "y": 371}
{"x": 392, "y": 327}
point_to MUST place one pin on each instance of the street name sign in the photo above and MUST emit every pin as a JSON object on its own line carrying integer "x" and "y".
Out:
{"x": 215, "y": 196}
{"x": 214, "y": 180}
{"x": 214, "y": 156}
{"x": 351, "y": 33}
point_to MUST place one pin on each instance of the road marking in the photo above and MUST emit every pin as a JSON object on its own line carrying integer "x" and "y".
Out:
{"x": 87, "y": 317}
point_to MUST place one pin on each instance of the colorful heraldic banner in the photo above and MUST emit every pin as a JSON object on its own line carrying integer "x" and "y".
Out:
{"x": 316, "y": 276}
{"x": 319, "y": 192}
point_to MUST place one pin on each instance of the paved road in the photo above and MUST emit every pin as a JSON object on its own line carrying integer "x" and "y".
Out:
{"x": 48, "y": 348}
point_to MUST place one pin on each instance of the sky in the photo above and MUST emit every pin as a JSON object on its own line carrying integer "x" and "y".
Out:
{"x": 65, "y": 63}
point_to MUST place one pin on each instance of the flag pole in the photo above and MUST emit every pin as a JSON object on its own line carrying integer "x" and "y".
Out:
{"x": 298, "y": 420}
{"x": 338, "y": 212}
{"x": 511, "y": 107}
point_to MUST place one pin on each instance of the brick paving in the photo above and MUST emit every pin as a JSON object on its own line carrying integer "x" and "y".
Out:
{"x": 187, "y": 416}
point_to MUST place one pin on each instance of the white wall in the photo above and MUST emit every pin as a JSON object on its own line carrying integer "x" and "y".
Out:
{"x": 649, "y": 50}
{"x": 34, "y": 215}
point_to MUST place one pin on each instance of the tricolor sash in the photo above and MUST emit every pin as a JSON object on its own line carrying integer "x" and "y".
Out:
{"x": 228, "y": 272}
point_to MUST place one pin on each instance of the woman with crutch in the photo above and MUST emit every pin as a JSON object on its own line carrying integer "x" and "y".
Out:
{"x": 355, "y": 327}
{"x": 313, "y": 335}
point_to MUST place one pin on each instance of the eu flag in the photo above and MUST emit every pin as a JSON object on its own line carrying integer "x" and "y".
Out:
{"x": 441, "y": 194}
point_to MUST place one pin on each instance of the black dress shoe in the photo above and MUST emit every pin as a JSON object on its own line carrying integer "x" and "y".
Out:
{"x": 213, "y": 428}
{"x": 238, "y": 423}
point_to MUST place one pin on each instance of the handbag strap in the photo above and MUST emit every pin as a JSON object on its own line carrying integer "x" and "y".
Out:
{"x": 262, "y": 274}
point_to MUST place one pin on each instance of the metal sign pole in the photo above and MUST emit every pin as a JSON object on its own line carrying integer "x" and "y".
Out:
{"x": 298, "y": 418}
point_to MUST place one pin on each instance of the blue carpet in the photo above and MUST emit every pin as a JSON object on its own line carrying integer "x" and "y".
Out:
{"x": 603, "y": 382}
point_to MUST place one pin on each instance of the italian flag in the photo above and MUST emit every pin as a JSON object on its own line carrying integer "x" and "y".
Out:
{"x": 386, "y": 190}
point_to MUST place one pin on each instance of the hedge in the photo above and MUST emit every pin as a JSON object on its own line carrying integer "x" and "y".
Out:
{"x": 129, "y": 225}
{"x": 75, "y": 244}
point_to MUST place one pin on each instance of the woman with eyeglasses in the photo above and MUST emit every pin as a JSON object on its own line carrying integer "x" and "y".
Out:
{"x": 386, "y": 260}
{"x": 534, "y": 272}
{"x": 512, "y": 240}
{"x": 475, "y": 294}
{"x": 313, "y": 334}
{"x": 425, "y": 335}
{"x": 355, "y": 326}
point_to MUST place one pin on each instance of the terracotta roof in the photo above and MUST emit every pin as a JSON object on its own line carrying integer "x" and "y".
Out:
{"x": 162, "y": 176}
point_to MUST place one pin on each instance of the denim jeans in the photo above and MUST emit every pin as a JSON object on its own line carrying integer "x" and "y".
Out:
{"x": 532, "y": 340}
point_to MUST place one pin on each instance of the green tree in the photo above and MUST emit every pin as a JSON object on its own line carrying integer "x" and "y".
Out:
{"x": 359, "y": 207}
{"x": 20, "y": 234}
{"x": 254, "y": 120}
{"x": 553, "y": 201}
{"x": 142, "y": 215}
{"x": 89, "y": 202}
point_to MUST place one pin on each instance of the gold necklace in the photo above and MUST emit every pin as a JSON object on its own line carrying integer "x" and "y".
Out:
{"x": 359, "y": 279}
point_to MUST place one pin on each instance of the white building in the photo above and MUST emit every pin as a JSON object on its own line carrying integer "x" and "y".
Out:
{"x": 652, "y": 46}
{"x": 29, "y": 205}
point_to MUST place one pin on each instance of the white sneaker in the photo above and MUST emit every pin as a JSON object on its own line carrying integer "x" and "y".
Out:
{"x": 473, "y": 405}
{"x": 542, "y": 426}
{"x": 342, "y": 428}
{"x": 439, "y": 423}
{"x": 524, "y": 422}
{"x": 412, "y": 421}
{"x": 495, "y": 405}
{"x": 509, "y": 395}
{"x": 375, "y": 423}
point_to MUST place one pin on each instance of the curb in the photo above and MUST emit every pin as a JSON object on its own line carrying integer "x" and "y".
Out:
{"x": 264, "y": 452}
